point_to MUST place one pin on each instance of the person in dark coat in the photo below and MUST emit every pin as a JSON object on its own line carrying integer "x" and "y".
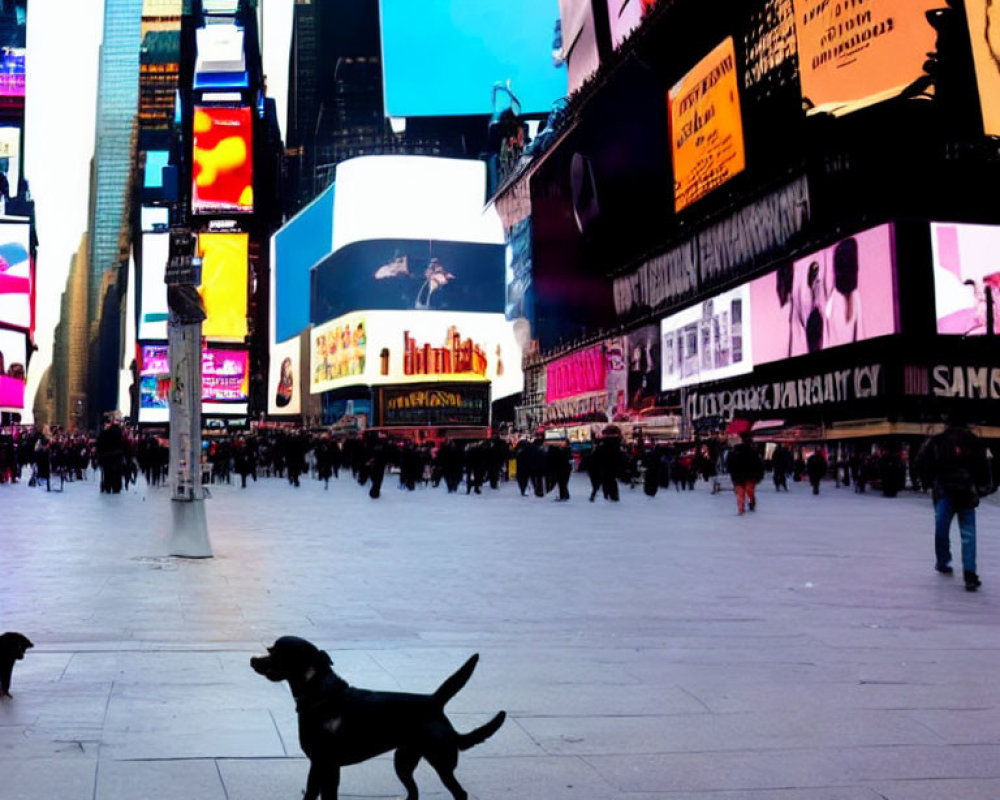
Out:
{"x": 559, "y": 466}
{"x": 377, "y": 451}
{"x": 111, "y": 456}
{"x": 651, "y": 470}
{"x": 781, "y": 465}
{"x": 955, "y": 464}
{"x": 816, "y": 468}
{"x": 535, "y": 462}
{"x": 746, "y": 469}
{"x": 608, "y": 461}
{"x": 521, "y": 465}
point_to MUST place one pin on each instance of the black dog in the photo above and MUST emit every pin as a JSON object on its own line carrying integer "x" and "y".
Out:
{"x": 341, "y": 725}
{"x": 12, "y": 648}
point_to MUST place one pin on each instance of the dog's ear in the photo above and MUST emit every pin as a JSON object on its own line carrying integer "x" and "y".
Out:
{"x": 324, "y": 659}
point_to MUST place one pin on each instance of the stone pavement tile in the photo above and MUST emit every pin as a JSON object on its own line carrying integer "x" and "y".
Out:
{"x": 724, "y": 732}
{"x": 962, "y": 726}
{"x": 72, "y": 744}
{"x": 158, "y": 780}
{"x": 141, "y": 730}
{"x": 937, "y": 789}
{"x": 139, "y": 665}
{"x": 34, "y": 778}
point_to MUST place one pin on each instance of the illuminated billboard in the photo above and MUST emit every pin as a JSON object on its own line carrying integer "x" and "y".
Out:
{"x": 152, "y": 176}
{"x": 706, "y": 126}
{"x": 223, "y": 285}
{"x": 10, "y": 159}
{"x": 297, "y": 247}
{"x": 15, "y": 275}
{"x": 13, "y": 361}
{"x": 225, "y": 382}
{"x": 154, "y": 218}
{"x": 966, "y": 270}
{"x": 402, "y": 274}
{"x": 220, "y": 61}
{"x": 984, "y": 30}
{"x": 579, "y": 37}
{"x": 13, "y": 41}
{"x": 413, "y": 197}
{"x": 284, "y": 393}
{"x": 708, "y": 341}
{"x": 437, "y": 55}
{"x": 624, "y": 16}
{"x": 396, "y": 347}
{"x": 153, "y": 311}
{"x": 856, "y": 54}
{"x": 222, "y": 171}
{"x": 842, "y": 294}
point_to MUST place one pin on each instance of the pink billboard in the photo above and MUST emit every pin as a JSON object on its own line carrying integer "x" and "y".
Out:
{"x": 13, "y": 352}
{"x": 966, "y": 272}
{"x": 845, "y": 293}
{"x": 577, "y": 373}
{"x": 224, "y": 376}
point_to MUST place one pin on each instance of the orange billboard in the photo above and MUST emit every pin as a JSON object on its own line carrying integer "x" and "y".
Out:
{"x": 984, "y": 28}
{"x": 224, "y": 285}
{"x": 854, "y": 54}
{"x": 706, "y": 126}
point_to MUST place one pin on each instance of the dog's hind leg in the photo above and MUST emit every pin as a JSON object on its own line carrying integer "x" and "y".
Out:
{"x": 406, "y": 762}
{"x": 322, "y": 783}
{"x": 444, "y": 764}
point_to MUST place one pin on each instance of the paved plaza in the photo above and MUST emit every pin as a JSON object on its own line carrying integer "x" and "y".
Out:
{"x": 655, "y": 649}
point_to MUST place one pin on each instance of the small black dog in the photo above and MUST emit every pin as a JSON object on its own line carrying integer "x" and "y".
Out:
{"x": 12, "y": 648}
{"x": 341, "y": 725}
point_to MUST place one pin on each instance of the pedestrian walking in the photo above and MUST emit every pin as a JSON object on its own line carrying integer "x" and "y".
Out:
{"x": 746, "y": 469}
{"x": 816, "y": 466}
{"x": 955, "y": 464}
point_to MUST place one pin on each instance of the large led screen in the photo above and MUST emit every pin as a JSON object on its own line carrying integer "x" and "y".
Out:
{"x": 223, "y": 161}
{"x": 402, "y": 274}
{"x": 15, "y": 276}
{"x": 152, "y": 176}
{"x": 854, "y": 54}
{"x": 393, "y": 347}
{"x": 10, "y": 159}
{"x": 13, "y": 43}
{"x": 225, "y": 382}
{"x": 441, "y": 57}
{"x": 708, "y": 341}
{"x": 413, "y": 197}
{"x": 706, "y": 126}
{"x": 984, "y": 30}
{"x": 579, "y": 37}
{"x": 284, "y": 394}
{"x": 220, "y": 61}
{"x": 966, "y": 269}
{"x": 842, "y": 294}
{"x": 153, "y": 311}
{"x": 624, "y": 16}
{"x": 301, "y": 242}
{"x": 13, "y": 355}
{"x": 520, "y": 300}
{"x": 224, "y": 285}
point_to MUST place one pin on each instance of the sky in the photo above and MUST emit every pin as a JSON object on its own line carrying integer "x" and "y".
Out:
{"x": 63, "y": 41}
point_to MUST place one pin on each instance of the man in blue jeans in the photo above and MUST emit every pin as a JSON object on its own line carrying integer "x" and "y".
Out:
{"x": 955, "y": 464}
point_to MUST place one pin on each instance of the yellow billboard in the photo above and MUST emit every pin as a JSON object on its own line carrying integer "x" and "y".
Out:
{"x": 854, "y": 54}
{"x": 984, "y": 29}
{"x": 706, "y": 126}
{"x": 224, "y": 285}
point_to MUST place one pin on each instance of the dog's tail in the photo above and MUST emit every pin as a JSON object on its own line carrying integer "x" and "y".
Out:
{"x": 454, "y": 684}
{"x": 480, "y": 735}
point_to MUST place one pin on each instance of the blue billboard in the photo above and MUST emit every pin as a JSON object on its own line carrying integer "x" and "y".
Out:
{"x": 408, "y": 274}
{"x": 442, "y": 57}
{"x": 304, "y": 240}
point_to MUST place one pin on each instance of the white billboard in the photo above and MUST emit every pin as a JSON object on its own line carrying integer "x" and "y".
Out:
{"x": 10, "y": 157}
{"x": 398, "y": 347}
{"x": 153, "y": 311}
{"x": 413, "y": 197}
{"x": 284, "y": 385}
{"x": 708, "y": 341}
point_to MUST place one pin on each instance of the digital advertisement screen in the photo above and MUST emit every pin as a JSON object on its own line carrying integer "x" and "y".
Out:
{"x": 222, "y": 171}
{"x": 153, "y": 311}
{"x": 441, "y": 57}
{"x": 387, "y": 197}
{"x": 579, "y": 36}
{"x": 298, "y": 246}
{"x": 390, "y": 347}
{"x": 13, "y": 41}
{"x": 220, "y": 61}
{"x": 402, "y": 274}
{"x": 453, "y": 405}
{"x": 284, "y": 395}
{"x": 708, "y": 341}
{"x": 706, "y": 126}
{"x": 224, "y": 285}
{"x": 225, "y": 382}
{"x": 12, "y": 71}
{"x": 577, "y": 373}
{"x": 625, "y": 16}
{"x": 966, "y": 271}
{"x": 10, "y": 159}
{"x": 15, "y": 276}
{"x": 842, "y": 294}
{"x": 855, "y": 54}
{"x": 984, "y": 32}
{"x": 518, "y": 261}
{"x": 152, "y": 176}
{"x": 154, "y": 218}
{"x": 644, "y": 367}
{"x": 13, "y": 360}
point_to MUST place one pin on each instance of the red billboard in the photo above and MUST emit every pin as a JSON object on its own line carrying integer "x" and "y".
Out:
{"x": 222, "y": 173}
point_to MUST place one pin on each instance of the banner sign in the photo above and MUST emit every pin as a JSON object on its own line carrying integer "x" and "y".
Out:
{"x": 662, "y": 281}
{"x": 829, "y": 388}
{"x": 706, "y": 126}
{"x": 966, "y": 383}
{"x": 464, "y": 405}
{"x": 575, "y": 374}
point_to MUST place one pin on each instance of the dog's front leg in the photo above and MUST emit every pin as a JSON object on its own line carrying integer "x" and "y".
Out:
{"x": 322, "y": 782}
